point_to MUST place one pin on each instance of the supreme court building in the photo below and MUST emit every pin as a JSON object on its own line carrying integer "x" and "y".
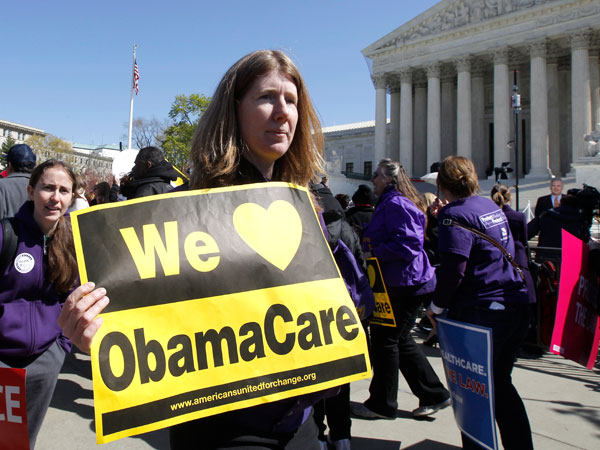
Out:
{"x": 448, "y": 76}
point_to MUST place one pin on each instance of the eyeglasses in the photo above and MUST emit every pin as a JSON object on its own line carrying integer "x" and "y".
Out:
{"x": 375, "y": 175}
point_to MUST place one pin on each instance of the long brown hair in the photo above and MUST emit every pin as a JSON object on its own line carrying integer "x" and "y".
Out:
{"x": 402, "y": 183}
{"x": 62, "y": 265}
{"x": 217, "y": 145}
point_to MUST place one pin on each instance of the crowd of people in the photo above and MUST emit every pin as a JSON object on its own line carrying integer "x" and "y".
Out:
{"x": 435, "y": 254}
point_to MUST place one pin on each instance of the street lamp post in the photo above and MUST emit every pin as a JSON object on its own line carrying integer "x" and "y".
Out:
{"x": 516, "y": 106}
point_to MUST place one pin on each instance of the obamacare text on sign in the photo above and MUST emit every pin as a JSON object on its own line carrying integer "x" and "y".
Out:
{"x": 220, "y": 299}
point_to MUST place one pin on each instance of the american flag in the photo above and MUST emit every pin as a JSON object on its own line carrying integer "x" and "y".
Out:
{"x": 136, "y": 76}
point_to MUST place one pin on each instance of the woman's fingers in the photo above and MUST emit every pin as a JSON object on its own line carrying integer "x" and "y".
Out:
{"x": 74, "y": 298}
{"x": 79, "y": 316}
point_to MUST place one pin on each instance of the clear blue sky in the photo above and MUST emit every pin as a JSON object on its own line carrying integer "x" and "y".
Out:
{"x": 66, "y": 65}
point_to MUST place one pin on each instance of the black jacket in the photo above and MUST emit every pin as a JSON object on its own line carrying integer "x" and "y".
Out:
{"x": 340, "y": 229}
{"x": 157, "y": 180}
{"x": 337, "y": 227}
{"x": 543, "y": 204}
{"x": 359, "y": 216}
{"x": 550, "y": 224}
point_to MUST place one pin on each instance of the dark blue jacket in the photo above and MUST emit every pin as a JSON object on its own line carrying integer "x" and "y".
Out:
{"x": 518, "y": 228}
{"x": 29, "y": 306}
{"x": 550, "y": 224}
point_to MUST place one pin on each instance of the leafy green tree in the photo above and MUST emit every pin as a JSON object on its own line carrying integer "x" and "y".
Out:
{"x": 46, "y": 147}
{"x": 6, "y": 145}
{"x": 185, "y": 113}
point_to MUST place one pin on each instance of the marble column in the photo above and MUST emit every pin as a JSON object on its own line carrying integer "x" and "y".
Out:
{"x": 380, "y": 117}
{"x": 564, "y": 114}
{"x": 394, "y": 151}
{"x": 539, "y": 112}
{"x": 406, "y": 121}
{"x": 595, "y": 86}
{"x": 553, "y": 116}
{"x": 448, "y": 112}
{"x": 464, "y": 124}
{"x": 420, "y": 129}
{"x": 502, "y": 95}
{"x": 434, "y": 129}
{"x": 394, "y": 148}
{"x": 480, "y": 153}
{"x": 581, "y": 108}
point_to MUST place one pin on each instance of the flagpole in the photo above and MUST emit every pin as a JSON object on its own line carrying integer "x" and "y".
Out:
{"x": 131, "y": 101}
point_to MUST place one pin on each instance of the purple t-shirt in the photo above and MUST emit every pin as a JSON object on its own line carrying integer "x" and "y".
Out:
{"x": 488, "y": 276}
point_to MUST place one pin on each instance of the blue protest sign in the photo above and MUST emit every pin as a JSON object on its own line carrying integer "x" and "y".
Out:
{"x": 467, "y": 356}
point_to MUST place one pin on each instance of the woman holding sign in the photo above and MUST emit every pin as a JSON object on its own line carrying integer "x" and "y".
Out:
{"x": 478, "y": 284}
{"x": 40, "y": 272}
{"x": 395, "y": 236}
{"x": 260, "y": 126}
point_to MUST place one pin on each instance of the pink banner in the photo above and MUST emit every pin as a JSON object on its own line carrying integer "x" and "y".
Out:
{"x": 13, "y": 411}
{"x": 577, "y": 326}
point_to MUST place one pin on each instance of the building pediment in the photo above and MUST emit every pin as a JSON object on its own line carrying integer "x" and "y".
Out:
{"x": 450, "y": 15}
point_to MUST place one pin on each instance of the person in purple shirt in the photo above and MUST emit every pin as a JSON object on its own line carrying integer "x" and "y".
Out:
{"x": 478, "y": 285}
{"x": 34, "y": 286}
{"x": 517, "y": 222}
{"x": 395, "y": 236}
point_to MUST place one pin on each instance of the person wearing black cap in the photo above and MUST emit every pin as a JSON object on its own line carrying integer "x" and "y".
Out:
{"x": 13, "y": 189}
{"x": 364, "y": 204}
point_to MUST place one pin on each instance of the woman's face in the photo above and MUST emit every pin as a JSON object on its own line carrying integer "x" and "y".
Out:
{"x": 379, "y": 182}
{"x": 268, "y": 115}
{"x": 52, "y": 196}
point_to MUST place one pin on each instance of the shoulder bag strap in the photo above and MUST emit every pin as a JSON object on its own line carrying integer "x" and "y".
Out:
{"x": 494, "y": 242}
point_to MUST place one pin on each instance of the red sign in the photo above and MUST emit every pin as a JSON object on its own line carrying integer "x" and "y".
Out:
{"x": 577, "y": 326}
{"x": 13, "y": 411}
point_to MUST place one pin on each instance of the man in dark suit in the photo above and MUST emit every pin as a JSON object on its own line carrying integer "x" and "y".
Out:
{"x": 546, "y": 202}
{"x": 567, "y": 216}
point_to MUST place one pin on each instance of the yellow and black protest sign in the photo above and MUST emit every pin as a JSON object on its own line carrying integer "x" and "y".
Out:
{"x": 220, "y": 299}
{"x": 383, "y": 313}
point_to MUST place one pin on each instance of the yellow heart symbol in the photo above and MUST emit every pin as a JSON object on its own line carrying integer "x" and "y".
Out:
{"x": 274, "y": 233}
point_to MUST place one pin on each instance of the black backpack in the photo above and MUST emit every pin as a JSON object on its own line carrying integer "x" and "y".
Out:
{"x": 9, "y": 243}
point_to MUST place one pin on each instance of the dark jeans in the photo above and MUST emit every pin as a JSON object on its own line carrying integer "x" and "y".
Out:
{"x": 214, "y": 434}
{"x": 337, "y": 410}
{"x": 509, "y": 328}
{"x": 40, "y": 381}
{"x": 393, "y": 348}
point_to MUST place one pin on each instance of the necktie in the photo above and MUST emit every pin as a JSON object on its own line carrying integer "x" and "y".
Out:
{"x": 556, "y": 202}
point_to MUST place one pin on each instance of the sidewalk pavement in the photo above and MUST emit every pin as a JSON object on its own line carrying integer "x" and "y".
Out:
{"x": 561, "y": 397}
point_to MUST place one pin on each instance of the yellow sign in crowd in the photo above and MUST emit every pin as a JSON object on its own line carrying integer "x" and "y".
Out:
{"x": 220, "y": 299}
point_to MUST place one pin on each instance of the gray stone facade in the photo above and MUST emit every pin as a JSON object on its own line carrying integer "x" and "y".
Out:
{"x": 448, "y": 74}
{"x": 82, "y": 157}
